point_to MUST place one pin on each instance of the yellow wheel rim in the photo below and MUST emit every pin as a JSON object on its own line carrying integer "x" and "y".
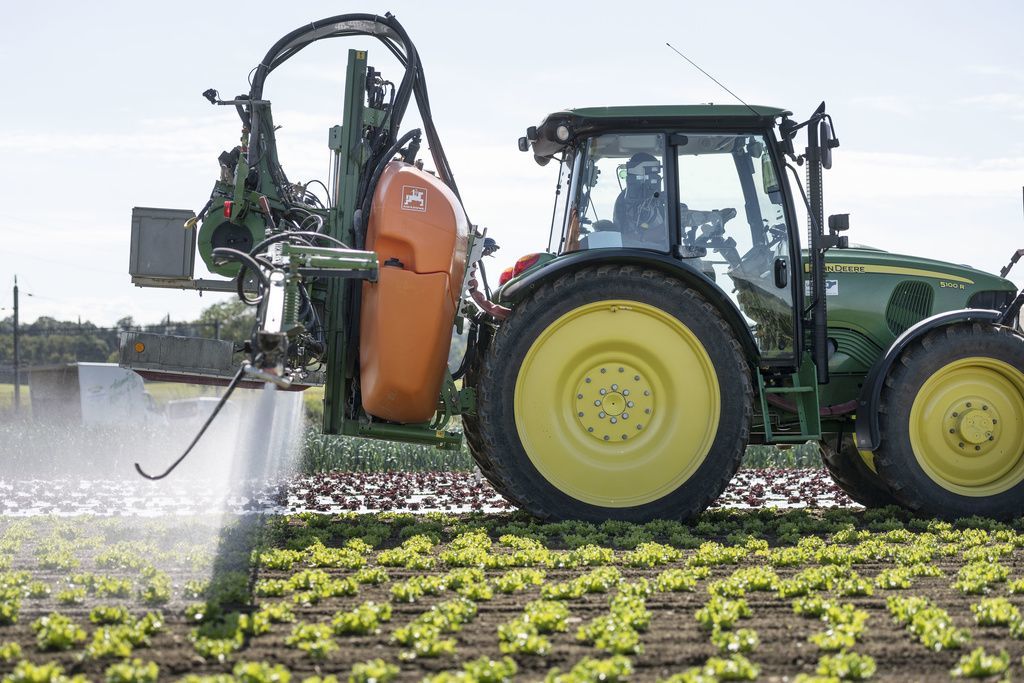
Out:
{"x": 617, "y": 403}
{"x": 967, "y": 427}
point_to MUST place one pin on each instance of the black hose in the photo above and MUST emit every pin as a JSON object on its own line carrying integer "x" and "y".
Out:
{"x": 366, "y": 199}
{"x": 248, "y": 263}
{"x": 216, "y": 409}
{"x": 467, "y": 358}
{"x": 388, "y": 30}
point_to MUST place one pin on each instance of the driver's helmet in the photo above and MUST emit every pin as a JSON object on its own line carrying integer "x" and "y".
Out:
{"x": 643, "y": 176}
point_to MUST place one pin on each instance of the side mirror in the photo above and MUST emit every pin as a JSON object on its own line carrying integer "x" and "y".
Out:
{"x": 839, "y": 222}
{"x": 524, "y": 144}
{"x": 827, "y": 140}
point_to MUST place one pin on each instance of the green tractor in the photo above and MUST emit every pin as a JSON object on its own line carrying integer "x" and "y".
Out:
{"x": 620, "y": 374}
{"x": 675, "y": 318}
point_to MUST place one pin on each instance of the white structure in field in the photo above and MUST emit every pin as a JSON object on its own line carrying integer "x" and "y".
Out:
{"x": 94, "y": 393}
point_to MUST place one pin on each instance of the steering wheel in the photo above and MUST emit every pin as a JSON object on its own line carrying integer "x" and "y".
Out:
{"x": 712, "y": 231}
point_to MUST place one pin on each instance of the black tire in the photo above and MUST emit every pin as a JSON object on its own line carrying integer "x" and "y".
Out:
{"x": 471, "y": 423}
{"x": 850, "y": 473}
{"x": 495, "y": 439}
{"x": 972, "y": 355}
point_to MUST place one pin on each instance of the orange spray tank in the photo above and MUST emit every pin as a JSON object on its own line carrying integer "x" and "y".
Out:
{"x": 419, "y": 230}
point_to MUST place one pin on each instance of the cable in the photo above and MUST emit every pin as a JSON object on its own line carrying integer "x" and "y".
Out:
{"x": 321, "y": 184}
{"x": 247, "y": 262}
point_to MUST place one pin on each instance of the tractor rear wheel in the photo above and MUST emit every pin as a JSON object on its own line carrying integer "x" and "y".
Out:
{"x": 850, "y": 473}
{"x": 471, "y": 423}
{"x": 952, "y": 423}
{"x": 612, "y": 393}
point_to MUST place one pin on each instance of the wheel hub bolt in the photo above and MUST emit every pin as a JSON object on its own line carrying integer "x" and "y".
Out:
{"x": 610, "y": 403}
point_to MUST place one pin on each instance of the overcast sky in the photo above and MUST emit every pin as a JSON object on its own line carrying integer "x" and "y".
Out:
{"x": 102, "y": 112}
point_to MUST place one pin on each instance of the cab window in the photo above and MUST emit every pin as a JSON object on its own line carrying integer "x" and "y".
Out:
{"x": 620, "y": 195}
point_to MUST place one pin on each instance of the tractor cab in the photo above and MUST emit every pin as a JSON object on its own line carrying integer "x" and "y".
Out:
{"x": 699, "y": 184}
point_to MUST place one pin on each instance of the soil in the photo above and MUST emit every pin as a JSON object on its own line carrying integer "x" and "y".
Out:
{"x": 673, "y": 643}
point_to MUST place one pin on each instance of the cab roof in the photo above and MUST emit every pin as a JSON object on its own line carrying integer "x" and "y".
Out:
{"x": 677, "y": 111}
{"x": 559, "y": 128}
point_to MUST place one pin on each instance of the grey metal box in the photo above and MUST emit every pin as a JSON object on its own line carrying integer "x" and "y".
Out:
{"x": 161, "y": 246}
{"x": 174, "y": 355}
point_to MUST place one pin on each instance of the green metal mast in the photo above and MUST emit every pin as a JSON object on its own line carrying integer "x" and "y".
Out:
{"x": 346, "y": 141}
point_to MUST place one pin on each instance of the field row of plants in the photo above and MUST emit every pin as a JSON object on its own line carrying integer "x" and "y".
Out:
{"x": 405, "y": 491}
{"x": 735, "y": 595}
{"x": 35, "y": 447}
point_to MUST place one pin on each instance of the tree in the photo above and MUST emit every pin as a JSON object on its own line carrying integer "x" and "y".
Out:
{"x": 235, "y": 320}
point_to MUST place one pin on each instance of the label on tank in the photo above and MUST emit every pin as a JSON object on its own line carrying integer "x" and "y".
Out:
{"x": 414, "y": 198}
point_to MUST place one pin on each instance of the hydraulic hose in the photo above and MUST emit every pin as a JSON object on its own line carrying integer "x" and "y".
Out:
{"x": 366, "y": 199}
{"x": 216, "y": 409}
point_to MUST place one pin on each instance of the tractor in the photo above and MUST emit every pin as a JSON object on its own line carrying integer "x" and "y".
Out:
{"x": 674, "y": 318}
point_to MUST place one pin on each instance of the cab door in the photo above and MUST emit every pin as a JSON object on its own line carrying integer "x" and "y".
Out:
{"x": 732, "y": 225}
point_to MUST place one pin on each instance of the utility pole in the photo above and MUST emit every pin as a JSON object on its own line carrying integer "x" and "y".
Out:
{"x": 17, "y": 365}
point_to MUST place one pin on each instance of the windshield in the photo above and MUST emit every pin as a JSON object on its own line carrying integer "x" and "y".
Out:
{"x": 621, "y": 200}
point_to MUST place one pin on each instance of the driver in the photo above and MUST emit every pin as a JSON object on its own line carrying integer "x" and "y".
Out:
{"x": 640, "y": 209}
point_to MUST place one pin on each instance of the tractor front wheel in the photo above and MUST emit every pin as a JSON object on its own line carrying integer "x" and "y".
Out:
{"x": 613, "y": 393}
{"x": 952, "y": 423}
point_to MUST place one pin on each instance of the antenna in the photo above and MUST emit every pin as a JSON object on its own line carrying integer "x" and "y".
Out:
{"x": 752, "y": 110}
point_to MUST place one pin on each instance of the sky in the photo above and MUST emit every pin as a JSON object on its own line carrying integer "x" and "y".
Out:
{"x": 103, "y": 111}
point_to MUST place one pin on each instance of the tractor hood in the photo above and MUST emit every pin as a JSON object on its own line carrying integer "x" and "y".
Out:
{"x": 862, "y": 260}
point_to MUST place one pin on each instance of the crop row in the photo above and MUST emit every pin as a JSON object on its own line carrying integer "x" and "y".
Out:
{"x": 492, "y": 598}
